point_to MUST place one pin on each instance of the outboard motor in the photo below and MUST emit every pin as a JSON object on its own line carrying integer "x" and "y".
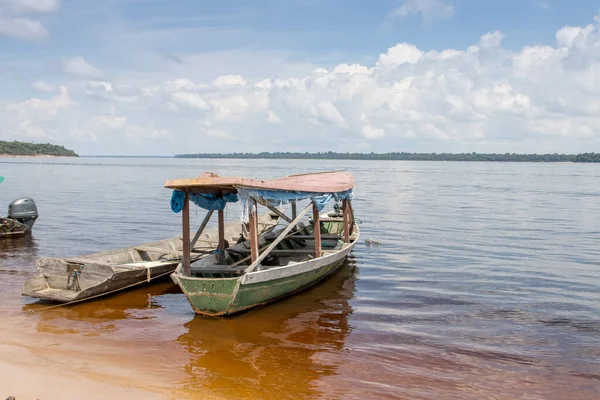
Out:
{"x": 24, "y": 211}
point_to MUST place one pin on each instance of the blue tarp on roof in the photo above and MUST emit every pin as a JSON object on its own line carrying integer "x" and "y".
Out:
{"x": 206, "y": 201}
{"x": 280, "y": 197}
{"x": 272, "y": 197}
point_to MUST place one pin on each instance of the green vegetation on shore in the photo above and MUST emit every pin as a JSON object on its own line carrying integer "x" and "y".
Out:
{"x": 34, "y": 149}
{"x": 507, "y": 157}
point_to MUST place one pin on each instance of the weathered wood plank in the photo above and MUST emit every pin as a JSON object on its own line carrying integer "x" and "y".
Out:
{"x": 201, "y": 229}
{"x": 76, "y": 260}
{"x": 253, "y": 228}
{"x": 279, "y": 213}
{"x": 317, "y": 230}
{"x": 346, "y": 227}
{"x": 221, "y": 230}
{"x": 310, "y": 237}
{"x": 282, "y": 236}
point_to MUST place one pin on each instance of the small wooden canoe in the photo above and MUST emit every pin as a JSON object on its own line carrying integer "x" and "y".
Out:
{"x": 75, "y": 279}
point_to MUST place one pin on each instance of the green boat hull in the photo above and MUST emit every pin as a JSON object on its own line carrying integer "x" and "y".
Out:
{"x": 225, "y": 296}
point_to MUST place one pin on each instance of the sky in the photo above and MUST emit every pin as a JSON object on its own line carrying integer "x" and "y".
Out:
{"x": 164, "y": 77}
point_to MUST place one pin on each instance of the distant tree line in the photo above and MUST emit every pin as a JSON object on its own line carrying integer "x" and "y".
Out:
{"x": 507, "y": 157}
{"x": 34, "y": 149}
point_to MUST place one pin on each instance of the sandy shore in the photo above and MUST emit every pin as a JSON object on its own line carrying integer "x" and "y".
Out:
{"x": 37, "y": 371}
{"x": 33, "y": 376}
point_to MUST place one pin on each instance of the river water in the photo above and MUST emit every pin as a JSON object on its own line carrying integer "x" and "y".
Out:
{"x": 485, "y": 284}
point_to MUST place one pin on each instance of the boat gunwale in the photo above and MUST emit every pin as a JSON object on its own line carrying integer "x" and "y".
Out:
{"x": 177, "y": 274}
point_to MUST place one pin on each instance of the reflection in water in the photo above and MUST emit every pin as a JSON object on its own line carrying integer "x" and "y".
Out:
{"x": 21, "y": 249}
{"x": 272, "y": 352}
{"x": 99, "y": 315}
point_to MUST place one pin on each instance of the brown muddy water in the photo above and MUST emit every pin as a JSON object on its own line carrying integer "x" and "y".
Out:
{"x": 486, "y": 285}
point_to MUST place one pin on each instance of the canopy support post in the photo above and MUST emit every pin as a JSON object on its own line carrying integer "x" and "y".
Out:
{"x": 201, "y": 229}
{"x": 185, "y": 216}
{"x": 351, "y": 215}
{"x": 317, "y": 230}
{"x": 221, "y": 230}
{"x": 253, "y": 217}
{"x": 346, "y": 212}
{"x": 294, "y": 212}
{"x": 282, "y": 235}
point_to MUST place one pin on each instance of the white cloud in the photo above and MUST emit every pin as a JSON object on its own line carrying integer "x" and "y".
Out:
{"x": 484, "y": 97}
{"x": 191, "y": 100}
{"x": 329, "y": 114}
{"x": 22, "y": 28}
{"x": 179, "y": 84}
{"x": 429, "y": 9}
{"x": 30, "y": 118}
{"x": 108, "y": 122}
{"x": 272, "y": 118}
{"x": 491, "y": 40}
{"x": 31, "y": 6}
{"x": 77, "y": 66}
{"x": 400, "y": 54}
{"x": 227, "y": 80}
{"x": 12, "y": 24}
{"x": 42, "y": 108}
{"x": 370, "y": 133}
{"x": 43, "y": 87}
{"x": 111, "y": 91}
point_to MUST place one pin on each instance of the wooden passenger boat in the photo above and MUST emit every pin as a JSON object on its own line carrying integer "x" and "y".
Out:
{"x": 74, "y": 279}
{"x": 274, "y": 264}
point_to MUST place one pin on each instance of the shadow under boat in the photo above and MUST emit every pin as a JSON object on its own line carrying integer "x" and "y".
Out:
{"x": 120, "y": 306}
{"x": 286, "y": 347}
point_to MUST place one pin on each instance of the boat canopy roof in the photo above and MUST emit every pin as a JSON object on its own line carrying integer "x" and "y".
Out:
{"x": 317, "y": 182}
{"x": 212, "y": 192}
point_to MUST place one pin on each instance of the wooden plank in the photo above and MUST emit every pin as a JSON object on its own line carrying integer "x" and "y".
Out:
{"x": 75, "y": 260}
{"x": 201, "y": 229}
{"x": 319, "y": 182}
{"x": 310, "y": 237}
{"x": 351, "y": 215}
{"x": 294, "y": 211}
{"x": 221, "y": 230}
{"x": 316, "y": 230}
{"x": 281, "y": 236}
{"x": 253, "y": 228}
{"x": 185, "y": 216}
{"x": 346, "y": 212}
{"x": 243, "y": 260}
{"x": 279, "y": 213}
{"x": 151, "y": 249}
{"x": 167, "y": 251}
{"x": 279, "y": 251}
